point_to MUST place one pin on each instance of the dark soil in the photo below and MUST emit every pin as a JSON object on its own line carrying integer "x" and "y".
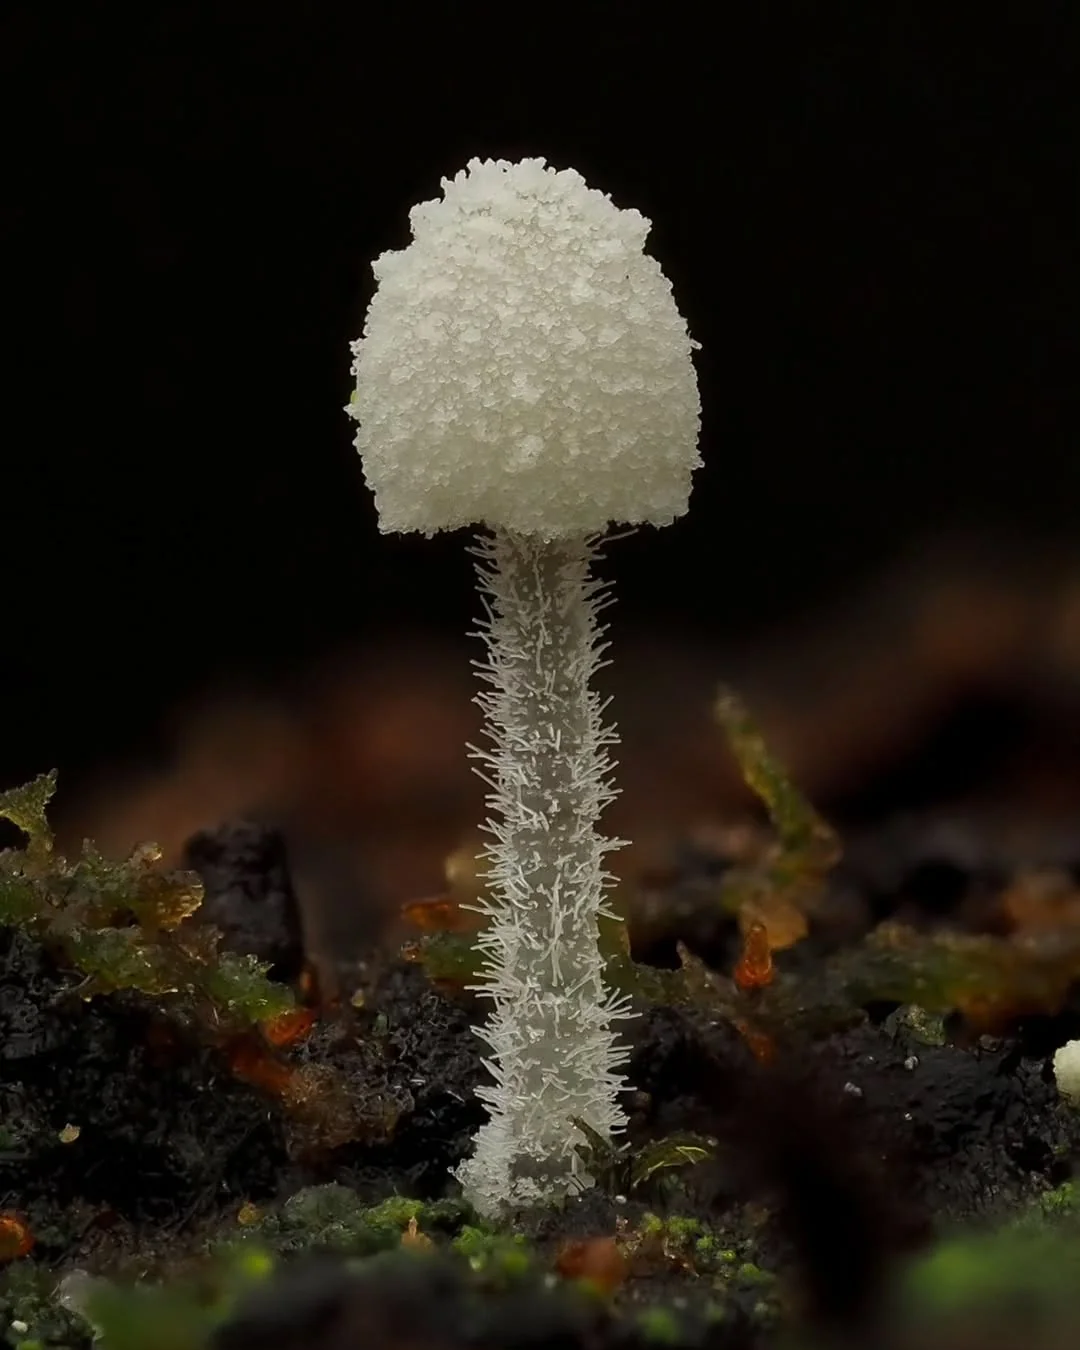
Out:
{"x": 836, "y": 1155}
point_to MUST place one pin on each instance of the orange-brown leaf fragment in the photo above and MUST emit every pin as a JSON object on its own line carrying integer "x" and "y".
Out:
{"x": 439, "y": 915}
{"x": 16, "y": 1238}
{"x": 597, "y": 1260}
{"x": 289, "y": 1027}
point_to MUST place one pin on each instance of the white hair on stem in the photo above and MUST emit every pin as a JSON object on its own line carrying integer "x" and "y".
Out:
{"x": 554, "y": 1053}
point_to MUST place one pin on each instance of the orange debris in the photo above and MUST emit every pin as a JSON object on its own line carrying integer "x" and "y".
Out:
{"x": 597, "y": 1260}
{"x": 755, "y": 966}
{"x": 16, "y": 1238}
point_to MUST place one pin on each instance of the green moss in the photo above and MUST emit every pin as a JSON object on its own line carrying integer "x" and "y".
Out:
{"x": 254, "y": 1264}
{"x": 659, "y": 1325}
{"x": 922, "y": 1026}
{"x": 685, "y": 1241}
{"x": 135, "y": 1314}
{"x": 1028, "y": 1267}
{"x": 125, "y": 924}
{"x": 333, "y": 1218}
{"x": 749, "y": 1274}
{"x": 135, "y": 1317}
{"x": 502, "y": 1255}
{"x": 1062, "y": 1202}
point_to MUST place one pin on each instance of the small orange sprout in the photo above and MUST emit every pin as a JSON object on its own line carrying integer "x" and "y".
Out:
{"x": 755, "y": 966}
{"x": 412, "y": 1236}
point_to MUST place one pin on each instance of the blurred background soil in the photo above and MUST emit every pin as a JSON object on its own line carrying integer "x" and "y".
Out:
{"x": 948, "y": 689}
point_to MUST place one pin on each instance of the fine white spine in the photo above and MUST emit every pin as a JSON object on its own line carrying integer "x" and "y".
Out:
{"x": 554, "y": 1053}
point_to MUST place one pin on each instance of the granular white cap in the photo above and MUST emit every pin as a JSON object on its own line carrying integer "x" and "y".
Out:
{"x": 1067, "y": 1070}
{"x": 523, "y": 364}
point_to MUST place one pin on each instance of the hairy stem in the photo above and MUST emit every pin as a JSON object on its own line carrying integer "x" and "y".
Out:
{"x": 554, "y": 1054}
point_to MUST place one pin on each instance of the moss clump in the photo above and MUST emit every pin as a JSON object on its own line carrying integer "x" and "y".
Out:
{"x": 659, "y": 1326}
{"x": 1061, "y": 1203}
{"x": 126, "y": 924}
{"x": 686, "y": 1243}
{"x": 1026, "y": 1271}
{"x": 503, "y": 1257}
{"x": 333, "y": 1218}
{"x": 750, "y": 1274}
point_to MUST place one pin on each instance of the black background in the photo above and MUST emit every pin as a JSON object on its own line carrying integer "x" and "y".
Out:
{"x": 869, "y": 214}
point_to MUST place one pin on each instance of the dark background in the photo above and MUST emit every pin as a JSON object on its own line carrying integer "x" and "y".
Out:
{"x": 869, "y": 213}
